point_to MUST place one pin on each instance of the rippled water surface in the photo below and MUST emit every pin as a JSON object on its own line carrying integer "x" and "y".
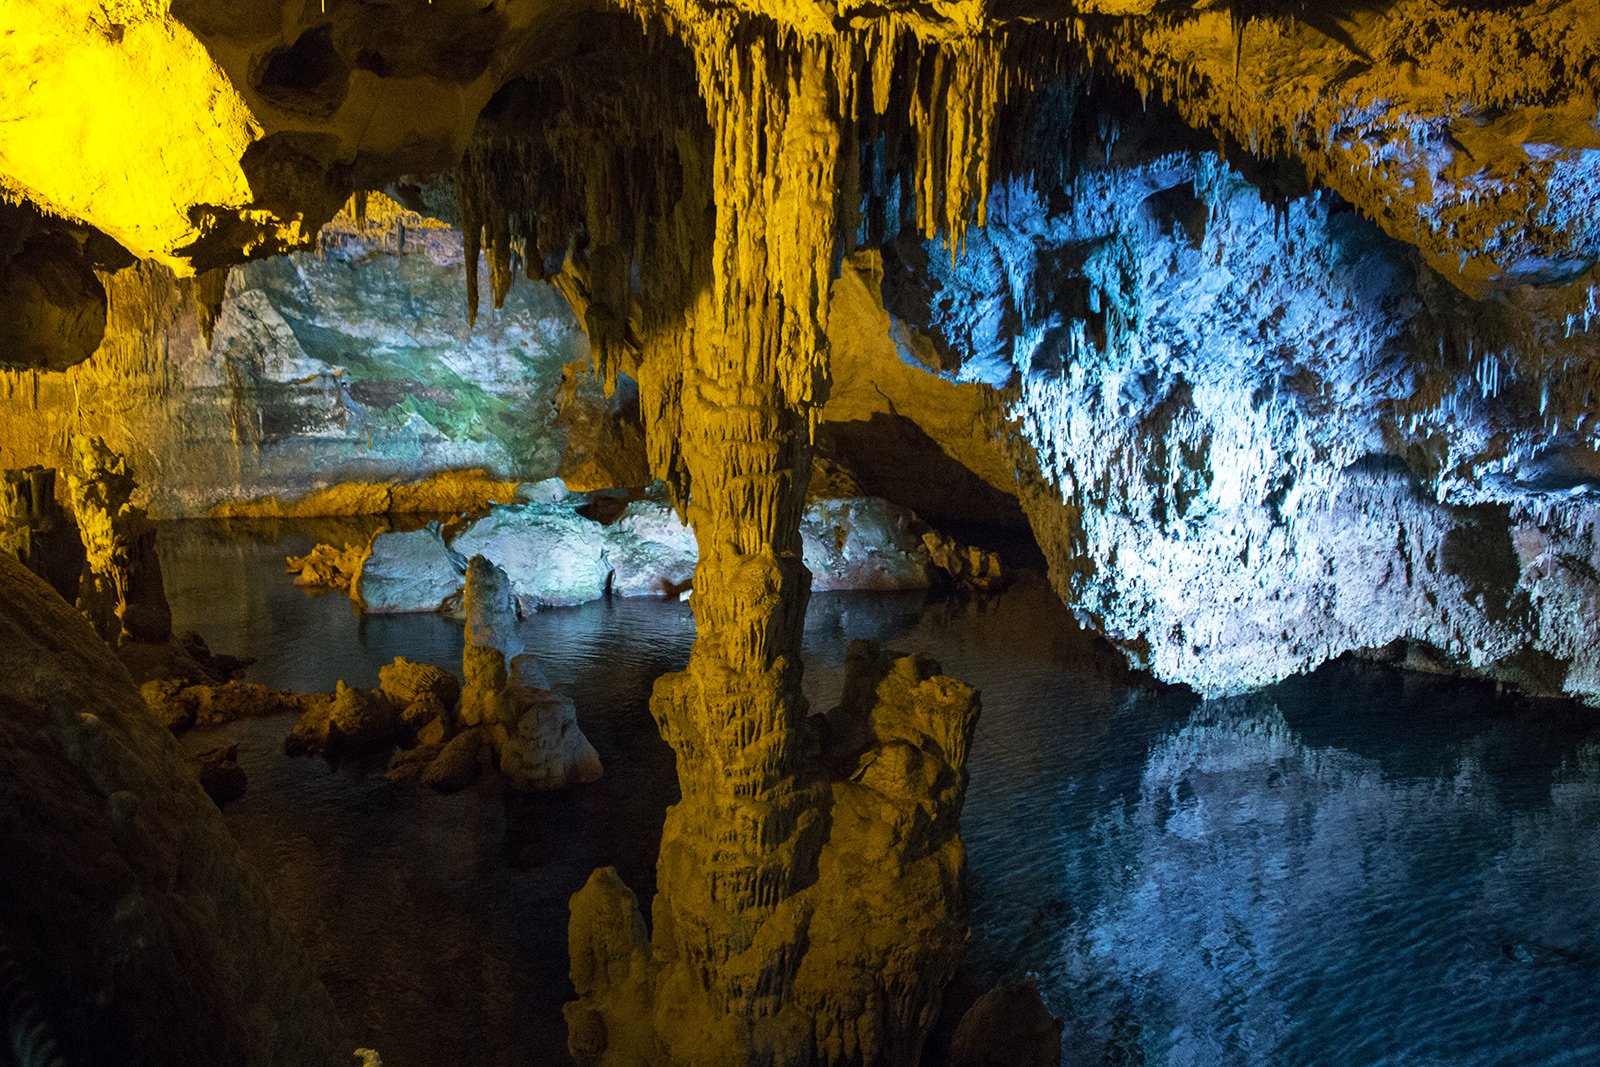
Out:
{"x": 1361, "y": 866}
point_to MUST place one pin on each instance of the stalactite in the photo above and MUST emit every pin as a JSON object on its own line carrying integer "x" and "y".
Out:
{"x": 210, "y": 289}
{"x": 700, "y": 250}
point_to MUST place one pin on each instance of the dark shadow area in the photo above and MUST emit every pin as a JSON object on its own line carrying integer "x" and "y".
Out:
{"x": 308, "y": 76}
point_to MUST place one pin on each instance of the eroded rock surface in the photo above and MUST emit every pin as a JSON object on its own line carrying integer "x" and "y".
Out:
{"x": 1394, "y": 474}
{"x": 121, "y": 591}
{"x": 124, "y": 894}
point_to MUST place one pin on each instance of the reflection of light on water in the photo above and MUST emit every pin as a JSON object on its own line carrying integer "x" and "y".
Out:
{"x": 1353, "y": 867}
{"x": 1262, "y": 901}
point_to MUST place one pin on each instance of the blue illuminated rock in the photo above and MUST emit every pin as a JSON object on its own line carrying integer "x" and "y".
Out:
{"x": 410, "y": 571}
{"x": 553, "y": 555}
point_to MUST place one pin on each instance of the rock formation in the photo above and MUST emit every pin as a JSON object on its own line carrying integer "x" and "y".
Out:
{"x": 121, "y": 590}
{"x": 556, "y": 553}
{"x": 412, "y": 570}
{"x": 124, "y": 895}
{"x": 1276, "y": 321}
{"x": 327, "y": 567}
{"x": 534, "y": 732}
{"x": 444, "y": 731}
{"x": 35, "y": 529}
{"x": 339, "y": 380}
{"x": 1009, "y": 1026}
{"x": 767, "y": 943}
{"x": 839, "y": 955}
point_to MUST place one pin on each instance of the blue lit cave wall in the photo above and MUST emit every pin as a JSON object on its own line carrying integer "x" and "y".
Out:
{"x": 1264, "y": 433}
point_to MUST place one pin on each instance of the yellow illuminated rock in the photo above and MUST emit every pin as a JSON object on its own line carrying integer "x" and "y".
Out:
{"x": 723, "y": 194}
{"x": 116, "y": 115}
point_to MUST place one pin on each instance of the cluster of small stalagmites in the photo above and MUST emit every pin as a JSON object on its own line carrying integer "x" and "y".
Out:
{"x": 411, "y": 710}
{"x": 837, "y": 948}
{"x": 121, "y": 591}
{"x": 444, "y": 733}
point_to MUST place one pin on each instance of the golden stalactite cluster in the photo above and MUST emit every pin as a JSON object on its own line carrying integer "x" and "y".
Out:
{"x": 652, "y": 188}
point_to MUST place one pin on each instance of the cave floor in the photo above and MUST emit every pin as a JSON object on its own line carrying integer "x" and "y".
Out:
{"x": 1358, "y": 866}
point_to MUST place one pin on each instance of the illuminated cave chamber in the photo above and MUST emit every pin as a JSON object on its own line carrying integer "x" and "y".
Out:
{"x": 1267, "y": 333}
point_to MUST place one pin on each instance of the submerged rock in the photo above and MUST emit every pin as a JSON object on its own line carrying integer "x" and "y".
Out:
{"x": 178, "y": 705}
{"x": 231, "y": 701}
{"x": 1009, "y": 1026}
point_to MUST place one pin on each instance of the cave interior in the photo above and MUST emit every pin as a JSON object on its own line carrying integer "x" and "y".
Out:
{"x": 787, "y": 532}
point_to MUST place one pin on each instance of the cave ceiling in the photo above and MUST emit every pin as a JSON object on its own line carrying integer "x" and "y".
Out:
{"x": 203, "y": 132}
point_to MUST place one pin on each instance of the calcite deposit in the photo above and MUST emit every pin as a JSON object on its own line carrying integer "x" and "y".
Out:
{"x": 121, "y": 591}
{"x": 533, "y": 732}
{"x": 1271, "y": 322}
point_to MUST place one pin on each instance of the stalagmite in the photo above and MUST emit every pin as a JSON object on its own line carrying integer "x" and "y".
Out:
{"x": 35, "y": 529}
{"x": 121, "y": 591}
{"x": 780, "y": 935}
{"x": 534, "y": 731}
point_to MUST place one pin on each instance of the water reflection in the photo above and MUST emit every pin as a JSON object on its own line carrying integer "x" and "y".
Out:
{"x": 1427, "y": 897}
{"x": 1356, "y": 867}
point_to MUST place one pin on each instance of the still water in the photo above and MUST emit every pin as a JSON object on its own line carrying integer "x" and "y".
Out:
{"x": 1361, "y": 866}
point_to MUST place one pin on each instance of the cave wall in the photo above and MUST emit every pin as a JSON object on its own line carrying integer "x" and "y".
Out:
{"x": 351, "y": 364}
{"x": 145, "y": 936}
{"x": 1268, "y": 434}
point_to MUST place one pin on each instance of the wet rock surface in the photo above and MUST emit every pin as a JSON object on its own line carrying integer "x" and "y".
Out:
{"x": 1009, "y": 1026}
{"x": 121, "y": 591}
{"x": 443, "y": 732}
{"x": 411, "y": 571}
{"x": 327, "y": 566}
{"x": 557, "y": 553}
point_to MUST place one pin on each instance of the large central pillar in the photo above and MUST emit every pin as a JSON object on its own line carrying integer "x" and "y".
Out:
{"x": 745, "y": 836}
{"x": 809, "y": 903}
